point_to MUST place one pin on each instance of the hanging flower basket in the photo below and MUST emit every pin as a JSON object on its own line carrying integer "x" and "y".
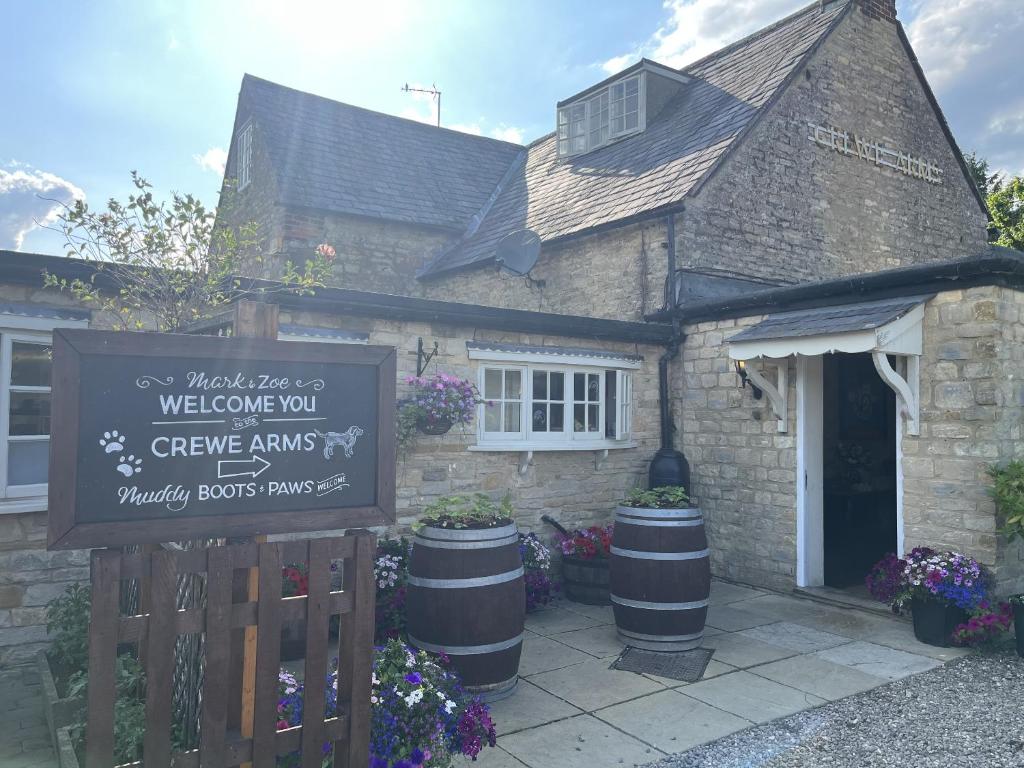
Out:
{"x": 434, "y": 426}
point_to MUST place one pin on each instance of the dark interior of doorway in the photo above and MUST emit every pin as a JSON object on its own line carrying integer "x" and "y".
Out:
{"x": 859, "y": 443}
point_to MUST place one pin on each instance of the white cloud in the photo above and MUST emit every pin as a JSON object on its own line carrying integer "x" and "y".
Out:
{"x": 971, "y": 53}
{"x": 473, "y": 128}
{"x": 214, "y": 159}
{"x": 508, "y": 133}
{"x": 695, "y": 28}
{"x": 29, "y": 199}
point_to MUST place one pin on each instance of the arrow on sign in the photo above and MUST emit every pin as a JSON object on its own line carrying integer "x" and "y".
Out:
{"x": 252, "y": 466}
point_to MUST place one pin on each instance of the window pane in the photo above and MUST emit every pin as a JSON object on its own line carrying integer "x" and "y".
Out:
{"x": 30, "y": 413}
{"x": 513, "y": 385}
{"x": 492, "y": 418}
{"x": 512, "y": 417}
{"x": 540, "y": 417}
{"x": 28, "y": 462}
{"x": 579, "y": 385}
{"x": 540, "y": 385}
{"x": 579, "y": 416}
{"x": 557, "y": 386}
{"x": 593, "y": 387}
{"x": 30, "y": 365}
{"x": 492, "y": 384}
{"x": 632, "y": 121}
{"x": 632, "y": 86}
{"x": 557, "y": 418}
{"x": 592, "y": 418}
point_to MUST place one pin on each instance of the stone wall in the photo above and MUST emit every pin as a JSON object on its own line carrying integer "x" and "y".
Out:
{"x": 972, "y": 403}
{"x": 743, "y": 469}
{"x": 782, "y": 207}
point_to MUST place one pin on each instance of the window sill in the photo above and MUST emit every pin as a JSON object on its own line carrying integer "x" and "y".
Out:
{"x": 21, "y": 506}
{"x": 526, "y": 450}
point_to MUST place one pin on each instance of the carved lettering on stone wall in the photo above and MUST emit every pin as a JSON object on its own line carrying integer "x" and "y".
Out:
{"x": 853, "y": 145}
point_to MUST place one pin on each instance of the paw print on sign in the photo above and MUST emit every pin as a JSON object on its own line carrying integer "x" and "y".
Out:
{"x": 130, "y": 466}
{"x": 112, "y": 442}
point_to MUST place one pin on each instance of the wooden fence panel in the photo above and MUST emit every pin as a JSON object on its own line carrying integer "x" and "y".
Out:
{"x": 223, "y": 612}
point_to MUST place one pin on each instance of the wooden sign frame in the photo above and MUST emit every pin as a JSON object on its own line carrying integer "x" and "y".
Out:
{"x": 70, "y": 345}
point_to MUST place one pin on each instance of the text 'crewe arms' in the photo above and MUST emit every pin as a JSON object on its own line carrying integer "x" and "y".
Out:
{"x": 853, "y": 145}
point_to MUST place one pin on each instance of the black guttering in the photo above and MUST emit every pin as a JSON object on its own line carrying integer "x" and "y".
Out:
{"x": 27, "y": 269}
{"x": 998, "y": 266}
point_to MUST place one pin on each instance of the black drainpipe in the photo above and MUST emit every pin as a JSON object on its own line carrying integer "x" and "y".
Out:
{"x": 669, "y": 466}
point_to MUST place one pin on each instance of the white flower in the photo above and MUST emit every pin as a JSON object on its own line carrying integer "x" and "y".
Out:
{"x": 449, "y": 706}
{"x": 415, "y": 697}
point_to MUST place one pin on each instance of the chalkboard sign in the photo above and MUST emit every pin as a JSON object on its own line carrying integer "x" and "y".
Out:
{"x": 163, "y": 437}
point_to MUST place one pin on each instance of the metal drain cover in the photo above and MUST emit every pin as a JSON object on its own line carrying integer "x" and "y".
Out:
{"x": 687, "y": 666}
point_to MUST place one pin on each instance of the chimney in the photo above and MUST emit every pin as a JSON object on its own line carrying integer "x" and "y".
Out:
{"x": 878, "y": 9}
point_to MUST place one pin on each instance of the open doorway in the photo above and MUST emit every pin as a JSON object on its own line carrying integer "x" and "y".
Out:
{"x": 859, "y": 468}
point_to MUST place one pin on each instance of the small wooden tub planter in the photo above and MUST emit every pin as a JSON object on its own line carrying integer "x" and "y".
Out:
{"x": 467, "y": 598}
{"x": 59, "y": 712}
{"x": 586, "y": 581}
{"x": 660, "y": 577}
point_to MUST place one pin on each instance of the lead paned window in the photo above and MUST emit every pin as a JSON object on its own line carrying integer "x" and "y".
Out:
{"x": 25, "y": 362}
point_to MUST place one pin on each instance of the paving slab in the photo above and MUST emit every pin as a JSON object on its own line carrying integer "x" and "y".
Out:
{"x": 713, "y": 669}
{"x": 754, "y": 698}
{"x": 736, "y": 616}
{"x": 892, "y": 632}
{"x": 723, "y": 593}
{"x": 739, "y": 651}
{"x": 671, "y": 722}
{"x": 580, "y": 742}
{"x": 601, "y": 613}
{"x": 542, "y": 654}
{"x": 878, "y": 660}
{"x": 599, "y": 641}
{"x": 551, "y": 621}
{"x": 529, "y": 706}
{"x": 821, "y": 678}
{"x": 592, "y": 685}
{"x": 493, "y": 757}
{"x": 795, "y": 637}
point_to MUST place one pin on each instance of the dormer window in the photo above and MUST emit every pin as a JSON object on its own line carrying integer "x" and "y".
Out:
{"x": 243, "y": 153}
{"x": 615, "y": 108}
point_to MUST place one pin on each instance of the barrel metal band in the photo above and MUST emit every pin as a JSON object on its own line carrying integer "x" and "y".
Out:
{"x": 467, "y": 650}
{"x": 466, "y": 534}
{"x": 444, "y": 544}
{"x": 476, "y": 581}
{"x": 646, "y": 604}
{"x": 658, "y": 523}
{"x": 662, "y": 638}
{"x": 689, "y": 514}
{"x": 643, "y": 555}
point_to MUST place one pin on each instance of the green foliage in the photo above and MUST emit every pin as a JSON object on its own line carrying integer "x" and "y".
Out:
{"x": 1006, "y": 206}
{"x": 1008, "y": 491}
{"x": 476, "y": 511}
{"x": 67, "y": 622}
{"x": 405, "y": 428}
{"x": 163, "y": 265}
{"x": 663, "y": 497}
{"x": 982, "y": 175}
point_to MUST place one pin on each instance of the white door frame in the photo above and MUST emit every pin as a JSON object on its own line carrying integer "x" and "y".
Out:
{"x": 810, "y": 519}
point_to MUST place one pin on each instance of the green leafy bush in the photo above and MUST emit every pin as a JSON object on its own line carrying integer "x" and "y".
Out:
{"x": 663, "y": 497}
{"x": 1008, "y": 491}
{"x": 67, "y": 622}
{"x": 476, "y": 511}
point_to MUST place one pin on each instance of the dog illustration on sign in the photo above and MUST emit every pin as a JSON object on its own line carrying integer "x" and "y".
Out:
{"x": 346, "y": 439}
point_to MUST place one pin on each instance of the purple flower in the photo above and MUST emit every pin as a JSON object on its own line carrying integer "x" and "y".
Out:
{"x": 417, "y": 756}
{"x": 414, "y": 677}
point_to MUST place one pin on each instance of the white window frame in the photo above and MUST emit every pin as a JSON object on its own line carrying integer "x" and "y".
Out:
{"x": 505, "y": 436}
{"x": 33, "y": 330}
{"x": 602, "y": 97}
{"x": 243, "y": 156}
{"x": 568, "y": 440}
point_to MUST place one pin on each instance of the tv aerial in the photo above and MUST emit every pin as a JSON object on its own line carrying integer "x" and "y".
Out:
{"x": 518, "y": 252}
{"x": 432, "y": 90}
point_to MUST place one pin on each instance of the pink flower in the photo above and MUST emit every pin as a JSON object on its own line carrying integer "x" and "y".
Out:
{"x": 326, "y": 251}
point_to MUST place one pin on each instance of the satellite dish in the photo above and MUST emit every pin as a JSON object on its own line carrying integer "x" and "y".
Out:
{"x": 518, "y": 251}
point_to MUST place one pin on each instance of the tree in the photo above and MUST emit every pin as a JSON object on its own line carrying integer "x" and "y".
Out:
{"x": 1006, "y": 205}
{"x": 983, "y": 178}
{"x": 164, "y": 265}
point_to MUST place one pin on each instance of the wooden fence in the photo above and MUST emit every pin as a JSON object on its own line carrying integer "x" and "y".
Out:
{"x": 155, "y": 634}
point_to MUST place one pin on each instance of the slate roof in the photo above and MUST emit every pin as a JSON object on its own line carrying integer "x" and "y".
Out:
{"x": 332, "y": 156}
{"x": 847, "y": 318}
{"x": 657, "y": 168}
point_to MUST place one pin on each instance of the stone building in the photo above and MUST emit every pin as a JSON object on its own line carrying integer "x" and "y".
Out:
{"x": 791, "y": 215}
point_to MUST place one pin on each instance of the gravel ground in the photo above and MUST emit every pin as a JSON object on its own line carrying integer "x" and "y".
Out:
{"x": 969, "y": 712}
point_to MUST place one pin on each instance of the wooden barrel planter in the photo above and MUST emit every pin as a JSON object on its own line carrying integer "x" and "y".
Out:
{"x": 585, "y": 581}
{"x": 660, "y": 577}
{"x": 467, "y": 598}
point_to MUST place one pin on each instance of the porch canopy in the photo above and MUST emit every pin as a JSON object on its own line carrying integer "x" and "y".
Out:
{"x": 882, "y": 328}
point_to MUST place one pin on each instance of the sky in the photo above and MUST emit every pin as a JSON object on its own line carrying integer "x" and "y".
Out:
{"x": 91, "y": 91}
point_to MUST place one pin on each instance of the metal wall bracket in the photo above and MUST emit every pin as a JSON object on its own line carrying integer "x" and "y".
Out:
{"x": 907, "y": 389}
{"x": 525, "y": 460}
{"x": 423, "y": 358}
{"x": 777, "y": 393}
{"x": 600, "y": 457}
